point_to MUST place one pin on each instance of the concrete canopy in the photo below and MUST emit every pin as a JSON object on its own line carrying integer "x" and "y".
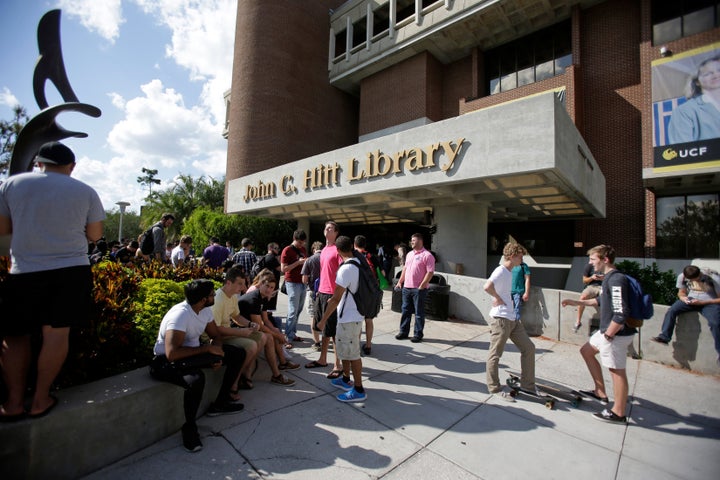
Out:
{"x": 523, "y": 160}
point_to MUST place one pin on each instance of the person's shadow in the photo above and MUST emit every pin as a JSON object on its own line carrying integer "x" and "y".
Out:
{"x": 687, "y": 333}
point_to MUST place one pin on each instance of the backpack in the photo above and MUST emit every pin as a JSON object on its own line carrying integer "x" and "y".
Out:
{"x": 147, "y": 242}
{"x": 259, "y": 265}
{"x": 368, "y": 296}
{"x": 641, "y": 305}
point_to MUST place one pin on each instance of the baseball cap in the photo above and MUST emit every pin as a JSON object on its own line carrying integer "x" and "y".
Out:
{"x": 55, "y": 153}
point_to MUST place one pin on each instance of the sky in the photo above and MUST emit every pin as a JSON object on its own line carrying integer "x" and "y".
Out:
{"x": 158, "y": 70}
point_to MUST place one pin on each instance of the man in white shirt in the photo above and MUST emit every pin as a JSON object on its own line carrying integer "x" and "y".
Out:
{"x": 349, "y": 324}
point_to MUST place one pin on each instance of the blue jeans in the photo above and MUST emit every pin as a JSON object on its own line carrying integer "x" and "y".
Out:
{"x": 517, "y": 303}
{"x": 413, "y": 301}
{"x": 710, "y": 312}
{"x": 296, "y": 301}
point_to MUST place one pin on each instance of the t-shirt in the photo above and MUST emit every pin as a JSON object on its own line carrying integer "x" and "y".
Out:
{"x": 518, "y": 278}
{"x": 502, "y": 281}
{"x": 178, "y": 253}
{"x": 703, "y": 288}
{"x": 224, "y": 308}
{"x": 417, "y": 265}
{"x": 330, "y": 260}
{"x": 183, "y": 318}
{"x": 614, "y": 302}
{"x": 251, "y": 303}
{"x": 311, "y": 268}
{"x": 49, "y": 212}
{"x": 215, "y": 255}
{"x": 290, "y": 255}
{"x": 348, "y": 277}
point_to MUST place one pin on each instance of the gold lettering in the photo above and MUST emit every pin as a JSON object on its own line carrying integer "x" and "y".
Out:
{"x": 287, "y": 185}
{"x": 353, "y": 174}
{"x": 431, "y": 154}
{"x": 309, "y": 180}
{"x": 396, "y": 161}
{"x": 382, "y": 165}
{"x": 333, "y": 176}
{"x": 262, "y": 190}
{"x": 451, "y": 153}
{"x": 414, "y": 160}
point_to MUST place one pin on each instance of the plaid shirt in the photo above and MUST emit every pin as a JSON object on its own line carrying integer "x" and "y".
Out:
{"x": 246, "y": 259}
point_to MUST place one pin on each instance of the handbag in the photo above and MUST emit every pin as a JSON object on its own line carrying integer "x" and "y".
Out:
{"x": 283, "y": 287}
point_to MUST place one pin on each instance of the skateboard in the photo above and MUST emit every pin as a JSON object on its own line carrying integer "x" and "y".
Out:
{"x": 553, "y": 389}
{"x": 515, "y": 391}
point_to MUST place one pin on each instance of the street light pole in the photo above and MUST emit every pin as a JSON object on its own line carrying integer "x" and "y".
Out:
{"x": 122, "y": 206}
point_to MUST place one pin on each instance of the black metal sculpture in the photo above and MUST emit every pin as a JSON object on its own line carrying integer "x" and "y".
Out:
{"x": 43, "y": 127}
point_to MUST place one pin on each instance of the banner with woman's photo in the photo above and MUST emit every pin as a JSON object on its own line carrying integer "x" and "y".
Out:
{"x": 686, "y": 109}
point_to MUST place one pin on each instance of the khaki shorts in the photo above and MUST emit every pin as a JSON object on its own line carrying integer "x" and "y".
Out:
{"x": 613, "y": 354}
{"x": 347, "y": 340}
{"x": 591, "y": 291}
{"x": 244, "y": 342}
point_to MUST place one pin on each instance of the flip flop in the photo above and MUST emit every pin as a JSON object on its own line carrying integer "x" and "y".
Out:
{"x": 335, "y": 374}
{"x": 53, "y": 404}
{"x": 315, "y": 364}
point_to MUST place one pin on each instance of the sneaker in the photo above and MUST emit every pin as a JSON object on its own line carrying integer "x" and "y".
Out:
{"x": 288, "y": 366}
{"x": 577, "y": 327}
{"x": 224, "y": 409}
{"x": 352, "y": 396}
{"x": 191, "y": 439}
{"x": 282, "y": 380}
{"x": 609, "y": 416}
{"x": 660, "y": 340}
{"x": 505, "y": 395}
{"x": 340, "y": 383}
{"x": 401, "y": 336}
{"x": 317, "y": 346}
{"x": 416, "y": 339}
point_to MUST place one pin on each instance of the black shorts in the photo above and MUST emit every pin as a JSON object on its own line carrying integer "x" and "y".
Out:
{"x": 59, "y": 298}
{"x": 321, "y": 301}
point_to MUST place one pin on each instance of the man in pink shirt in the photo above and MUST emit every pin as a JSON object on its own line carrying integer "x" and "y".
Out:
{"x": 419, "y": 268}
{"x": 330, "y": 261}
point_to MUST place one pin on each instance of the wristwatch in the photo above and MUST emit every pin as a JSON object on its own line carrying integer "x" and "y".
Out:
{"x": 608, "y": 337}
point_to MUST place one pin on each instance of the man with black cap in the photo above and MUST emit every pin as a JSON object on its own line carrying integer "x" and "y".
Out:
{"x": 51, "y": 217}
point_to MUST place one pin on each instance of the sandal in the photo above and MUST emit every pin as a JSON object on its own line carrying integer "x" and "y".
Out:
{"x": 335, "y": 374}
{"x": 244, "y": 384}
{"x": 315, "y": 364}
{"x": 577, "y": 327}
{"x": 282, "y": 380}
{"x": 288, "y": 346}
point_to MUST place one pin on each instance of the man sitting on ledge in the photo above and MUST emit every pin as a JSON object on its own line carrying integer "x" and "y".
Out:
{"x": 697, "y": 292}
{"x": 179, "y": 357}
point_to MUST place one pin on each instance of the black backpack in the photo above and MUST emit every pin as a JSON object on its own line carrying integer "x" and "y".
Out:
{"x": 368, "y": 296}
{"x": 259, "y": 265}
{"x": 147, "y": 242}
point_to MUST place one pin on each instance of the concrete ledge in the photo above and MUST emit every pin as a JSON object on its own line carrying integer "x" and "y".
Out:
{"x": 96, "y": 424}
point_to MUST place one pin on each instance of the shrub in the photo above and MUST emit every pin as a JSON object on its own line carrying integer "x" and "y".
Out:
{"x": 661, "y": 285}
{"x": 153, "y": 300}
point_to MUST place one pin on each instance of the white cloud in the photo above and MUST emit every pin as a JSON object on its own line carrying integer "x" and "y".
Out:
{"x": 103, "y": 17}
{"x": 159, "y": 132}
{"x": 203, "y": 37}
{"x": 7, "y": 98}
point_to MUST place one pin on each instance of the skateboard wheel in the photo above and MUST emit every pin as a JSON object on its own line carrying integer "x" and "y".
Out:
{"x": 513, "y": 393}
{"x": 549, "y": 404}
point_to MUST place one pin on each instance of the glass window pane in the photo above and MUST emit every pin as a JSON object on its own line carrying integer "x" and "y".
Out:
{"x": 696, "y": 22}
{"x": 508, "y": 82}
{"x": 667, "y": 31}
{"x": 670, "y": 218}
{"x": 526, "y": 76}
{"x": 494, "y": 86}
{"x": 703, "y": 226}
{"x": 544, "y": 70}
{"x": 562, "y": 63}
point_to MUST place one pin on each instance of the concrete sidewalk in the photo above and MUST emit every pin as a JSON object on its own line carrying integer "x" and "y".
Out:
{"x": 429, "y": 415}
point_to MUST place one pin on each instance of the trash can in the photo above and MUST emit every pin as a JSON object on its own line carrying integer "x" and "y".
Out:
{"x": 436, "y": 301}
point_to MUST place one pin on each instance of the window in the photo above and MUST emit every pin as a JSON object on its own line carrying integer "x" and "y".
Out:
{"x": 359, "y": 29}
{"x": 530, "y": 59}
{"x": 688, "y": 226}
{"x": 381, "y": 20}
{"x": 340, "y": 43}
{"x": 676, "y": 19}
